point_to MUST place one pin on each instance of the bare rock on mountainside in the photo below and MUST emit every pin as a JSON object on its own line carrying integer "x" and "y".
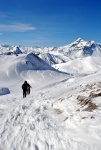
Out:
{"x": 93, "y": 91}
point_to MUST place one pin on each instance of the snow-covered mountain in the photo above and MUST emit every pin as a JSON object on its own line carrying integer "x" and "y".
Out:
{"x": 64, "y": 108}
{"x": 66, "y": 58}
{"x": 56, "y": 55}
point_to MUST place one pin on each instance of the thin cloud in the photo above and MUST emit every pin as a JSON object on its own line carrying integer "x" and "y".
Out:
{"x": 19, "y": 27}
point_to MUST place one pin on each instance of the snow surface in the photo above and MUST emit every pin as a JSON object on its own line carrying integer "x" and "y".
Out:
{"x": 63, "y": 111}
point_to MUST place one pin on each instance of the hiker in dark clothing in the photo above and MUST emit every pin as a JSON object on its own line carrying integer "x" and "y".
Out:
{"x": 26, "y": 89}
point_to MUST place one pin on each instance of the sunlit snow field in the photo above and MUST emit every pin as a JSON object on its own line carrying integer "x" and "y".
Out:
{"x": 63, "y": 111}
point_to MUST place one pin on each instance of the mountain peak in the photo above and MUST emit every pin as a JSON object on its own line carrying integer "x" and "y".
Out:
{"x": 78, "y": 43}
{"x": 79, "y": 40}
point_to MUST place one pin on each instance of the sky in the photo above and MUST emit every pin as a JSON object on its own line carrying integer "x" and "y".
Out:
{"x": 49, "y": 22}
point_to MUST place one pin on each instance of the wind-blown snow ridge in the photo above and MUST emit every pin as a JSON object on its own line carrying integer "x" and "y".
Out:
{"x": 64, "y": 108}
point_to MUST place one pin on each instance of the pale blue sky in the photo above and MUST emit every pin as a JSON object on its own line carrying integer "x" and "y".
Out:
{"x": 49, "y": 22}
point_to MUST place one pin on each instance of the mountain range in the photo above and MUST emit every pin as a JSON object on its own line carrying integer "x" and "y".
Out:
{"x": 52, "y": 55}
{"x": 81, "y": 52}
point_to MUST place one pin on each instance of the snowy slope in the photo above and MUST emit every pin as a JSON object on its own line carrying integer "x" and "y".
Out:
{"x": 64, "y": 108}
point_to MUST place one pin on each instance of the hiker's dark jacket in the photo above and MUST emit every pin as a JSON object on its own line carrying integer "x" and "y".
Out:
{"x": 24, "y": 86}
